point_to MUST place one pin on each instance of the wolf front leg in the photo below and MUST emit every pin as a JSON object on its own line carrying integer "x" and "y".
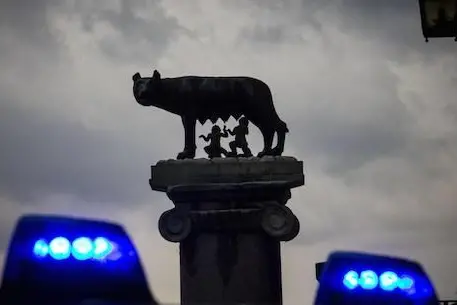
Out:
{"x": 189, "y": 138}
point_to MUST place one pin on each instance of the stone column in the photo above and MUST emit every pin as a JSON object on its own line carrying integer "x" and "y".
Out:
{"x": 229, "y": 218}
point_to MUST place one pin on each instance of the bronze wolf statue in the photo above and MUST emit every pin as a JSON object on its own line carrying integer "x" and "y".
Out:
{"x": 201, "y": 98}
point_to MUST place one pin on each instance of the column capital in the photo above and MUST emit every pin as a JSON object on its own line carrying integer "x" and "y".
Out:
{"x": 234, "y": 194}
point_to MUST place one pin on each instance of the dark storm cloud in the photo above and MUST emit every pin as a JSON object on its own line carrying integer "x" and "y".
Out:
{"x": 395, "y": 27}
{"x": 396, "y": 24}
{"x": 157, "y": 30}
{"x": 391, "y": 21}
{"x": 67, "y": 139}
{"x": 44, "y": 155}
{"x": 354, "y": 128}
{"x": 140, "y": 37}
{"x": 353, "y": 147}
{"x": 271, "y": 34}
{"x": 373, "y": 8}
{"x": 27, "y": 21}
{"x": 277, "y": 27}
{"x": 27, "y": 17}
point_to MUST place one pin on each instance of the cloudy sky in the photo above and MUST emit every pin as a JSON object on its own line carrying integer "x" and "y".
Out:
{"x": 372, "y": 111}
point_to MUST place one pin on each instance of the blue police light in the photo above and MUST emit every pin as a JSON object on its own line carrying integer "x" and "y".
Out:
{"x": 102, "y": 248}
{"x": 368, "y": 280}
{"x": 362, "y": 278}
{"x": 82, "y": 248}
{"x": 41, "y": 248}
{"x": 351, "y": 279}
{"x": 57, "y": 258}
{"x": 406, "y": 283}
{"x": 60, "y": 248}
{"x": 389, "y": 281}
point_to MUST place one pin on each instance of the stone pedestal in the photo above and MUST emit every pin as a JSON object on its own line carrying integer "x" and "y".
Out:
{"x": 230, "y": 216}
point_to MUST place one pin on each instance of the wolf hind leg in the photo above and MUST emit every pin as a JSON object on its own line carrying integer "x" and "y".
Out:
{"x": 268, "y": 135}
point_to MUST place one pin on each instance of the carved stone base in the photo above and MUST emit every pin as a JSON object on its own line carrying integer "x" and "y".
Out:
{"x": 229, "y": 218}
{"x": 170, "y": 173}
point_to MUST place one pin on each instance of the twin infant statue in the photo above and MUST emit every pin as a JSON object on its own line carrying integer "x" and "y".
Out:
{"x": 215, "y": 149}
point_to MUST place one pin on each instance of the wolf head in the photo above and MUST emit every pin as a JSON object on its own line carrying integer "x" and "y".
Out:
{"x": 146, "y": 89}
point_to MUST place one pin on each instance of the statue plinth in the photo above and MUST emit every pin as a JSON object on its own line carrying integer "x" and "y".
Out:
{"x": 230, "y": 216}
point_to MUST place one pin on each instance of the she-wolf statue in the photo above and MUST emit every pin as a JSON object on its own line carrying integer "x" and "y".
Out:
{"x": 201, "y": 98}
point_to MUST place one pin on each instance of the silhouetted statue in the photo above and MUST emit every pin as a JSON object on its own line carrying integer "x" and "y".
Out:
{"x": 240, "y": 132}
{"x": 202, "y": 98}
{"x": 215, "y": 149}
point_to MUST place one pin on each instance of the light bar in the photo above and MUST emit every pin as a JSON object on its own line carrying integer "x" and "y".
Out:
{"x": 81, "y": 248}
{"x": 369, "y": 280}
{"x": 66, "y": 260}
{"x": 361, "y": 278}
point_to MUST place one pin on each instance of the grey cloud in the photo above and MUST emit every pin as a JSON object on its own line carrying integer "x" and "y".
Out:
{"x": 273, "y": 34}
{"x": 373, "y": 8}
{"x": 26, "y": 21}
{"x": 6, "y": 228}
{"x": 42, "y": 152}
{"x": 279, "y": 26}
{"x": 26, "y": 17}
{"x": 141, "y": 37}
{"x": 357, "y": 127}
{"x": 368, "y": 167}
{"x": 353, "y": 147}
{"x": 42, "y": 155}
{"x": 393, "y": 24}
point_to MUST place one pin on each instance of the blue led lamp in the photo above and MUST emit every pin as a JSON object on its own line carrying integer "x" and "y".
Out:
{"x": 58, "y": 259}
{"x": 355, "y": 278}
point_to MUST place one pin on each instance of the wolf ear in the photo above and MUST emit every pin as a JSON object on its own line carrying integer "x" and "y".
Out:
{"x": 156, "y": 75}
{"x": 136, "y": 77}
